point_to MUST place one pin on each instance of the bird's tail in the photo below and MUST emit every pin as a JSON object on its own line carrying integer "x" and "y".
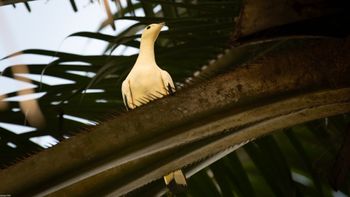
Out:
{"x": 176, "y": 181}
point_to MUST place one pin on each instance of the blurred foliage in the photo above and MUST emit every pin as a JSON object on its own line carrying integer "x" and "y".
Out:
{"x": 295, "y": 162}
{"x": 180, "y": 51}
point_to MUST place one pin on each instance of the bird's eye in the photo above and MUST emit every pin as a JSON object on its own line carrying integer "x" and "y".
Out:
{"x": 148, "y": 27}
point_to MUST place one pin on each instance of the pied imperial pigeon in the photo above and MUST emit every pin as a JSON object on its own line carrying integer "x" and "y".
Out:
{"x": 147, "y": 81}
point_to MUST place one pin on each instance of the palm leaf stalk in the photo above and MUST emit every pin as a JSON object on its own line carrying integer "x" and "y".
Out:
{"x": 241, "y": 105}
{"x": 218, "y": 134}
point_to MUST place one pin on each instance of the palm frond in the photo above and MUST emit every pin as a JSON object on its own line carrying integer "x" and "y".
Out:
{"x": 199, "y": 48}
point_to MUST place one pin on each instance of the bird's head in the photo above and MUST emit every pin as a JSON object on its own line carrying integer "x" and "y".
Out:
{"x": 152, "y": 31}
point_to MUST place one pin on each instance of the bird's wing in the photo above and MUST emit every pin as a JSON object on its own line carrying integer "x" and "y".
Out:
{"x": 127, "y": 95}
{"x": 167, "y": 82}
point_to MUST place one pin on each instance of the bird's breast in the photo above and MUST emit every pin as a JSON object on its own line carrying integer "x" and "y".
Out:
{"x": 146, "y": 85}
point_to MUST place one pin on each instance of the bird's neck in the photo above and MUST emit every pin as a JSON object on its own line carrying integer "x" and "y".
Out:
{"x": 146, "y": 54}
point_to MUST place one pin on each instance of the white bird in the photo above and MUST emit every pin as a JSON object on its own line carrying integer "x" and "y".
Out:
{"x": 147, "y": 81}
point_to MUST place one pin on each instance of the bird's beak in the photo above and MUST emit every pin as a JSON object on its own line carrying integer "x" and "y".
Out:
{"x": 162, "y": 24}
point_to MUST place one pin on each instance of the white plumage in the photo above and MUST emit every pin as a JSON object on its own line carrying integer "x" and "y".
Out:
{"x": 145, "y": 82}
